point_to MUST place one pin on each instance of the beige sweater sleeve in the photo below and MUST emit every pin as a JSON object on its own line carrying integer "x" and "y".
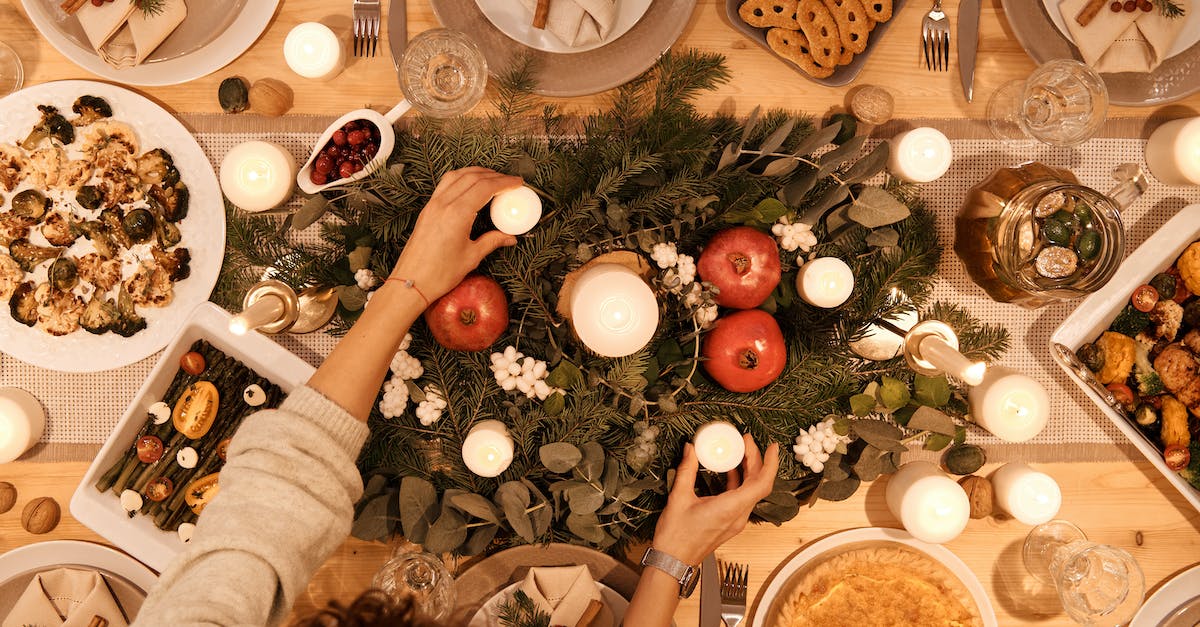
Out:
{"x": 286, "y": 503}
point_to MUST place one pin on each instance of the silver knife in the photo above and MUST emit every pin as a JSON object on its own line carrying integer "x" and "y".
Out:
{"x": 968, "y": 43}
{"x": 397, "y": 32}
{"x": 710, "y": 593}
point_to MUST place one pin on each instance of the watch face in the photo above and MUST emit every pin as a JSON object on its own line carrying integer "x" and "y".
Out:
{"x": 688, "y": 585}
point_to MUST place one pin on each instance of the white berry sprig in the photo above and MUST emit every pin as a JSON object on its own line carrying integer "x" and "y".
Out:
{"x": 365, "y": 279}
{"x": 813, "y": 447}
{"x": 404, "y": 367}
{"x": 515, "y": 371}
{"x": 429, "y": 410}
{"x": 793, "y": 235}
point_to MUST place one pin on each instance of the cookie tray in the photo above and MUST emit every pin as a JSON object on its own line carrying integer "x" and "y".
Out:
{"x": 843, "y": 75}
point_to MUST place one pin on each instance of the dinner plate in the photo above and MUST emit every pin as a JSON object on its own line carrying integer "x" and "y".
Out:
{"x": 214, "y": 33}
{"x": 203, "y": 231}
{"x": 608, "y": 66}
{"x": 1172, "y": 80}
{"x": 1187, "y": 37}
{"x": 1177, "y": 592}
{"x": 872, "y": 535}
{"x": 489, "y": 614}
{"x": 128, "y": 579}
{"x": 514, "y": 20}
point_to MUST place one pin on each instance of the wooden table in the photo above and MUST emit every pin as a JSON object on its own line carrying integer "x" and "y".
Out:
{"x": 1121, "y": 502}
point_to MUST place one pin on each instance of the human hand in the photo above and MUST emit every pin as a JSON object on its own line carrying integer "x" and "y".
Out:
{"x": 692, "y": 526}
{"x": 440, "y": 252}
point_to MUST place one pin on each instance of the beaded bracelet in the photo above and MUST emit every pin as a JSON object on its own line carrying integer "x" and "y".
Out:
{"x": 410, "y": 284}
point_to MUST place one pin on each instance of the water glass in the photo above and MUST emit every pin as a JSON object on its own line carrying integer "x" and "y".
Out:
{"x": 443, "y": 73}
{"x": 1099, "y": 585}
{"x": 12, "y": 73}
{"x": 422, "y": 576}
{"x": 1063, "y": 103}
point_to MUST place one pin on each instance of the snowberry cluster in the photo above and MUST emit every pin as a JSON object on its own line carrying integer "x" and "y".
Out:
{"x": 794, "y": 235}
{"x": 813, "y": 447}
{"x": 365, "y": 279}
{"x": 404, "y": 367}
{"x": 704, "y": 310}
{"x": 644, "y": 447}
{"x": 680, "y": 268}
{"x": 429, "y": 410}
{"x": 515, "y": 371}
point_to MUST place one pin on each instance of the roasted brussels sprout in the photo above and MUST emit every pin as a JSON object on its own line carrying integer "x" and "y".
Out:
{"x": 89, "y": 197}
{"x": 31, "y": 203}
{"x": 157, "y": 168}
{"x": 52, "y": 125}
{"x": 63, "y": 273}
{"x": 128, "y": 321}
{"x": 113, "y": 223}
{"x": 98, "y": 233}
{"x": 167, "y": 233}
{"x": 173, "y": 199}
{"x": 1092, "y": 356}
{"x": 138, "y": 225}
{"x": 89, "y": 109}
{"x": 30, "y": 256}
{"x": 99, "y": 316}
{"x": 1147, "y": 419}
{"x": 176, "y": 263}
{"x": 23, "y": 305}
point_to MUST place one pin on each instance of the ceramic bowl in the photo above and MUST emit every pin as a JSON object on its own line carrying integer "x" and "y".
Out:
{"x": 387, "y": 141}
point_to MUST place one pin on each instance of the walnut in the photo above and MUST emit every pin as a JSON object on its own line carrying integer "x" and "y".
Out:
{"x": 270, "y": 97}
{"x": 41, "y": 515}
{"x": 8, "y": 496}
{"x": 979, "y": 492}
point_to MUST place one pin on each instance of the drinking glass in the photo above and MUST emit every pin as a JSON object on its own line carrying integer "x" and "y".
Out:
{"x": 443, "y": 73}
{"x": 1099, "y": 585}
{"x": 1063, "y": 103}
{"x": 422, "y": 576}
{"x": 12, "y": 73}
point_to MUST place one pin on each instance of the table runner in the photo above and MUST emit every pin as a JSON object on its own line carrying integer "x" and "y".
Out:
{"x": 83, "y": 408}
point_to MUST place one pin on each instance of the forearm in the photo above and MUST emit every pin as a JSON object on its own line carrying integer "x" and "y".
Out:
{"x": 654, "y": 601}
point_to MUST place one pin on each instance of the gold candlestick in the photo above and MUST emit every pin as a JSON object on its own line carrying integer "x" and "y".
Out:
{"x": 270, "y": 307}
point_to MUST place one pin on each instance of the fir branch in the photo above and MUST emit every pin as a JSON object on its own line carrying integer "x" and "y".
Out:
{"x": 521, "y": 611}
{"x": 1169, "y": 9}
{"x": 150, "y": 8}
{"x": 976, "y": 340}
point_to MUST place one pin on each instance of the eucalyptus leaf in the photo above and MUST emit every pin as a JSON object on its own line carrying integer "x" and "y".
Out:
{"x": 835, "y": 469}
{"x": 372, "y": 523}
{"x": 930, "y": 419}
{"x": 838, "y": 219}
{"x": 611, "y": 482}
{"x": 862, "y": 404}
{"x": 772, "y": 142}
{"x": 447, "y": 533}
{"x": 637, "y": 404}
{"x": 475, "y": 505}
{"x": 875, "y": 207}
{"x": 932, "y": 391}
{"x": 554, "y": 404}
{"x": 821, "y": 137}
{"x": 778, "y": 508}
{"x": 886, "y": 237}
{"x": 869, "y": 165}
{"x": 884, "y": 436}
{"x": 584, "y": 499}
{"x": 480, "y": 539}
{"x": 513, "y": 498}
{"x": 729, "y": 156}
{"x": 838, "y": 490}
{"x": 593, "y": 461}
{"x": 667, "y": 404}
{"x": 586, "y": 526}
{"x": 415, "y": 393}
{"x": 891, "y": 463}
{"x": 794, "y": 192}
{"x": 560, "y": 456}
{"x": 781, "y": 167}
{"x": 869, "y": 464}
{"x": 748, "y": 127}
{"x": 375, "y": 484}
{"x": 359, "y": 258}
{"x": 834, "y": 159}
{"x": 418, "y": 506}
{"x": 893, "y": 394}
{"x": 827, "y": 201}
{"x": 352, "y": 297}
{"x": 312, "y": 210}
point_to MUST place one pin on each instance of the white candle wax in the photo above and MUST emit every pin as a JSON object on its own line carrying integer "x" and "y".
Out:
{"x": 946, "y": 358}
{"x": 264, "y": 311}
{"x": 930, "y": 505}
{"x": 1010, "y": 405}
{"x": 826, "y": 282}
{"x": 258, "y": 176}
{"x": 1030, "y": 496}
{"x": 920, "y": 155}
{"x": 516, "y": 211}
{"x": 1173, "y": 152}
{"x": 488, "y": 450}
{"x": 314, "y": 51}
{"x": 613, "y": 311}
{"x": 22, "y": 422}
{"x": 719, "y": 446}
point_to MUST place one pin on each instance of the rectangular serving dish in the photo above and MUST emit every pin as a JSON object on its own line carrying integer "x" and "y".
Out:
{"x": 1093, "y": 316}
{"x": 843, "y": 74}
{"x": 102, "y": 512}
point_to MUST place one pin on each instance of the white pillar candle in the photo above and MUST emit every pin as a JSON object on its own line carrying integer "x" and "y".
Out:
{"x": 930, "y": 505}
{"x": 258, "y": 176}
{"x": 946, "y": 358}
{"x": 920, "y": 155}
{"x": 22, "y": 422}
{"x": 314, "y": 51}
{"x": 719, "y": 446}
{"x": 1010, "y": 405}
{"x": 516, "y": 211}
{"x": 1173, "y": 152}
{"x": 488, "y": 450}
{"x": 1030, "y": 496}
{"x": 613, "y": 311}
{"x": 825, "y": 282}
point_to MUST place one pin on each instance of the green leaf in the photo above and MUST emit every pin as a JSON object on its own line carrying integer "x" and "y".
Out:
{"x": 930, "y": 419}
{"x": 862, "y": 404}
{"x": 904, "y": 414}
{"x": 480, "y": 539}
{"x": 565, "y": 375}
{"x": 352, "y": 297}
{"x": 448, "y": 532}
{"x": 834, "y": 159}
{"x": 554, "y": 404}
{"x": 827, "y": 201}
{"x": 560, "y": 456}
{"x": 884, "y": 436}
{"x": 841, "y": 426}
{"x": 893, "y": 394}
{"x": 960, "y": 435}
{"x": 769, "y": 210}
{"x": 936, "y": 442}
{"x": 821, "y": 137}
{"x": 593, "y": 461}
{"x": 869, "y": 464}
{"x": 838, "y": 490}
{"x": 475, "y": 505}
{"x": 584, "y": 499}
{"x": 513, "y": 498}
{"x": 418, "y": 506}
{"x": 931, "y": 391}
{"x": 373, "y": 523}
{"x": 886, "y": 237}
{"x": 876, "y": 207}
{"x": 587, "y": 527}
{"x": 359, "y": 258}
{"x": 312, "y": 210}
{"x": 869, "y": 165}
{"x": 781, "y": 167}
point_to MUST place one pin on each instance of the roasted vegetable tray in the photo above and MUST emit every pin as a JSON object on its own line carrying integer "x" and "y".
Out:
{"x": 233, "y": 363}
{"x": 1099, "y": 312}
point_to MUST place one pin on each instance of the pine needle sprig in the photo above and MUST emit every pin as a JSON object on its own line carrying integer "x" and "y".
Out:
{"x": 1169, "y": 9}
{"x": 150, "y": 8}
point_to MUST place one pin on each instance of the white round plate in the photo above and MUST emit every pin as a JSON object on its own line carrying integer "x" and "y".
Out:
{"x": 876, "y": 534}
{"x": 214, "y": 33}
{"x": 1171, "y": 596}
{"x": 128, "y": 578}
{"x": 1187, "y": 38}
{"x": 514, "y": 20}
{"x": 489, "y": 614}
{"x": 203, "y": 231}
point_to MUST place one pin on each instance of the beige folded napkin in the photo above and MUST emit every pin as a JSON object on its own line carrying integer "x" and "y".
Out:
{"x": 135, "y": 36}
{"x": 569, "y": 595}
{"x": 65, "y": 597}
{"x": 579, "y": 22}
{"x": 1122, "y": 42}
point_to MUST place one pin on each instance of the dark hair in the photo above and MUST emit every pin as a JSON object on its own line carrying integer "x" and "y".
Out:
{"x": 373, "y": 608}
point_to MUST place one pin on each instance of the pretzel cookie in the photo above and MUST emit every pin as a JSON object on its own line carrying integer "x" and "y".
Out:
{"x": 851, "y": 22}
{"x": 819, "y": 27}
{"x": 769, "y": 13}
{"x": 878, "y": 10}
{"x": 793, "y": 45}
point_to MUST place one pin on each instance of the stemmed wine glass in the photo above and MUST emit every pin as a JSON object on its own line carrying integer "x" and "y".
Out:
{"x": 1063, "y": 103}
{"x": 422, "y": 576}
{"x": 1099, "y": 585}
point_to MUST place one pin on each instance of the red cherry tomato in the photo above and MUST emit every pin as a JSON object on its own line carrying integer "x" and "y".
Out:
{"x": 149, "y": 449}
{"x": 159, "y": 489}
{"x": 192, "y": 363}
{"x": 1122, "y": 393}
{"x": 1177, "y": 457}
{"x": 1144, "y": 298}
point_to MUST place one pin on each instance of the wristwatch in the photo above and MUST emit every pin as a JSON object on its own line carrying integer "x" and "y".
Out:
{"x": 686, "y": 575}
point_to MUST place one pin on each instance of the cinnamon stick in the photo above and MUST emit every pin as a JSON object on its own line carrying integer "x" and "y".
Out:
{"x": 71, "y": 6}
{"x": 1089, "y": 11}
{"x": 98, "y": 621}
{"x": 541, "y": 14}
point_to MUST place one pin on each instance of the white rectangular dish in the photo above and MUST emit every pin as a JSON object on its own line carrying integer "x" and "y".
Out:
{"x": 102, "y": 511}
{"x": 1096, "y": 312}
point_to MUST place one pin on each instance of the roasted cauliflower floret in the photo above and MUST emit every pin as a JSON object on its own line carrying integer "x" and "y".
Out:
{"x": 14, "y": 227}
{"x": 58, "y": 311}
{"x": 99, "y": 316}
{"x": 150, "y": 286}
{"x": 58, "y": 229}
{"x": 100, "y": 272}
{"x": 110, "y": 136}
{"x": 73, "y": 174}
{"x": 46, "y": 165}
{"x": 14, "y": 166}
{"x": 11, "y": 276}
{"x": 1119, "y": 351}
{"x": 1165, "y": 320}
{"x": 90, "y": 109}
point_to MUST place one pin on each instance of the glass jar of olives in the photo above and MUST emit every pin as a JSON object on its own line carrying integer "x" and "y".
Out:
{"x": 1032, "y": 235}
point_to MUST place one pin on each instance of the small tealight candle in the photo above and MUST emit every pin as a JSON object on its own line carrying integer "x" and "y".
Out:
{"x": 1030, "y": 496}
{"x": 825, "y": 282}
{"x": 1173, "y": 152}
{"x": 920, "y": 155}
{"x": 1010, "y": 405}
{"x": 613, "y": 311}
{"x": 22, "y": 422}
{"x": 314, "y": 51}
{"x": 258, "y": 176}
{"x": 930, "y": 505}
{"x": 516, "y": 211}
{"x": 488, "y": 449}
{"x": 719, "y": 446}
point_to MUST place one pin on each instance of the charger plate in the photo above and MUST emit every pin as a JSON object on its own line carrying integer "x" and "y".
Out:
{"x": 1178, "y": 592}
{"x": 128, "y": 579}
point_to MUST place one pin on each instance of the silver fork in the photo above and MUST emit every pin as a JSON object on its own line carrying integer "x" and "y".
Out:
{"x": 935, "y": 38}
{"x": 366, "y": 27}
{"x": 734, "y": 578}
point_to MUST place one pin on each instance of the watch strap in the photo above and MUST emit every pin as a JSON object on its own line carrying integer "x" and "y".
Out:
{"x": 685, "y": 574}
